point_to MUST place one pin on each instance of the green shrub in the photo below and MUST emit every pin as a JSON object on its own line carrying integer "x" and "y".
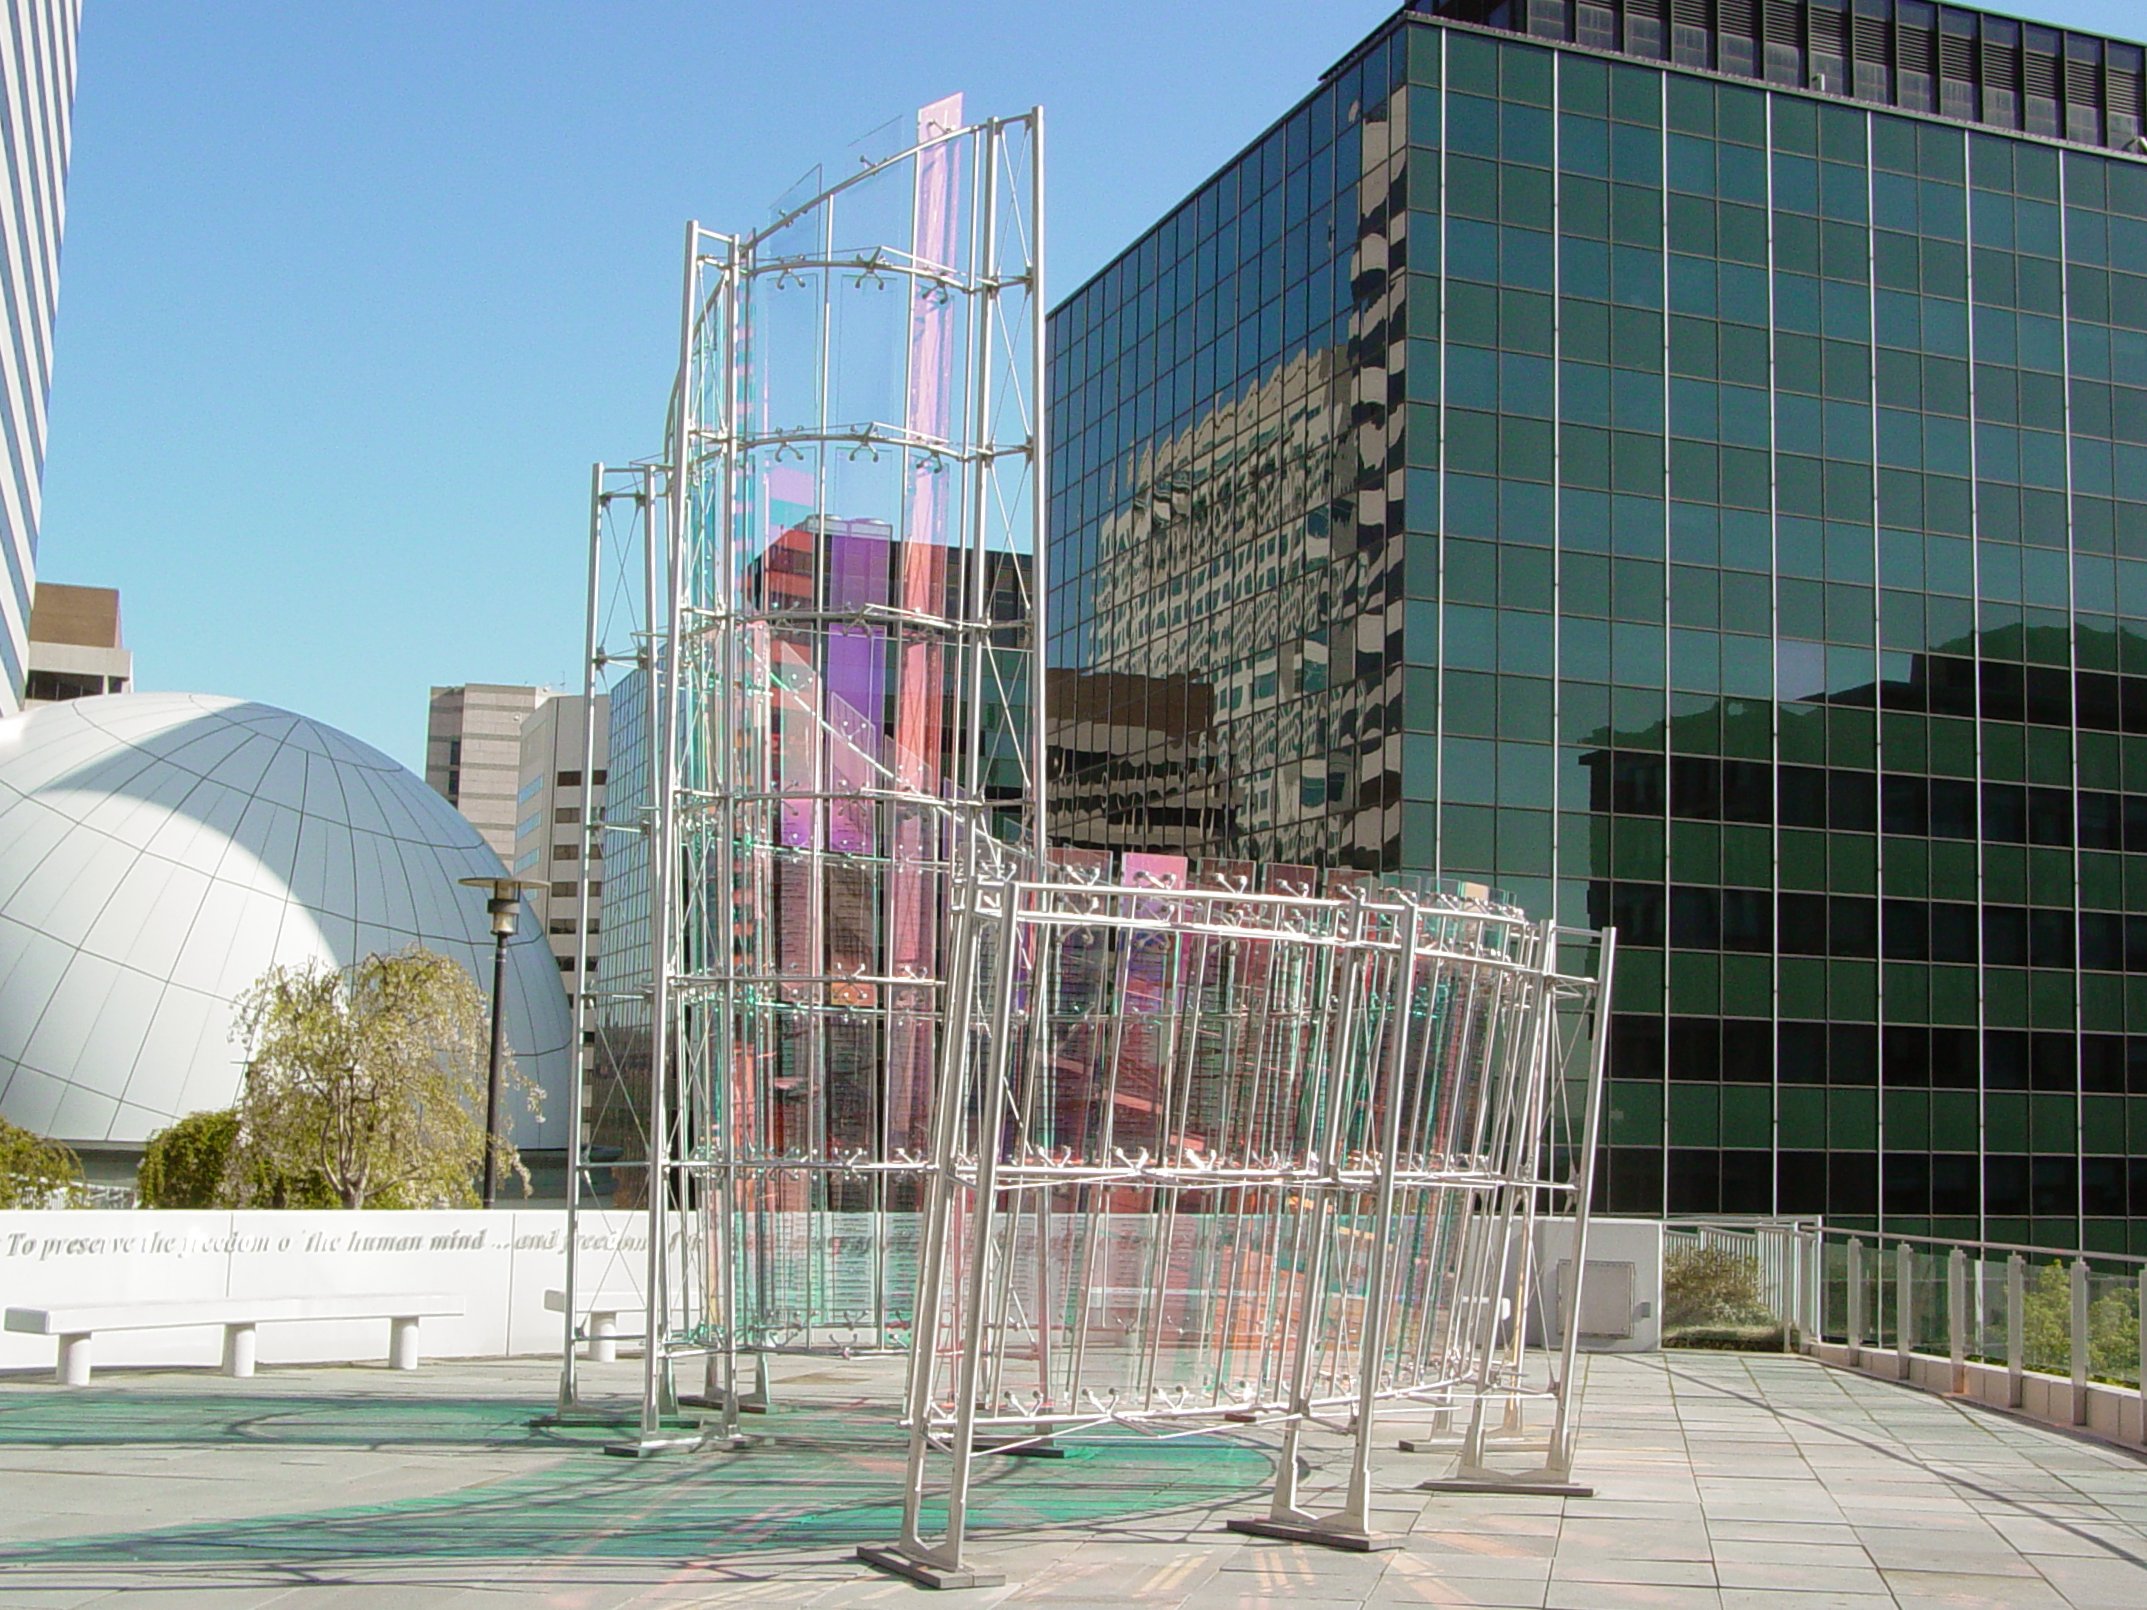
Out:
{"x": 1711, "y": 1290}
{"x": 183, "y": 1166}
{"x": 34, "y": 1171}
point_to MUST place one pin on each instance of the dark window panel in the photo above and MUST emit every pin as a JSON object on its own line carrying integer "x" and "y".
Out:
{"x": 1695, "y": 918}
{"x": 1696, "y": 1049}
{"x": 2050, "y": 938}
{"x": 2005, "y": 1187}
{"x": 2004, "y": 691}
{"x": 1955, "y": 1064}
{"x": 1747, "y": 791}
{"x": 1803, "y": 794}
{"x": 1953, "y": 808}
{"x": 2005, "y": 1059}
{"x": 1635, "y": 1180}
{"x": 1800, "y": 1053}
{"x": 2005, "y": 813}
{"x": 1905, "y": 928}
{"x": 2049, "y": 695}
{"x": 1954, "y": 1185}
{"x": 1695, "y": 1180}
{"x": 1637, "y": 909}
{"x": 2102, "y": 1064}
{"x": 2005, "y": 936}
{"x": 1852, "y": 926}
{"x": 1852, "y": 1054}
{"x": 1908, "y": 1055}
{"x": 2102, "y": 1187}
{"x": 1800, "y": 1182}
{"x": 1908, "y": 1184}
{"x": 1636, "y": 1045}
{"x": 2055, "y": 1186}
{"x": 1852, "y": 1183}
{"x": 1696, "y": 788}
{"x": 1748, "y": 1049}
{"x": 2102, "y": 941}
{"x": 1801, "y": 928}
{"x": 1905, "y": 805}
{"x": 1952, "y": 684}
{"x": 2050, "y": 817}
{"x": 2053, "y": 1061}
{"x": 2102, "y": 822}
{"x": 1852, "y": 802}
{"x": 1747, "y": 921}
{"x": 2098, "y": 708}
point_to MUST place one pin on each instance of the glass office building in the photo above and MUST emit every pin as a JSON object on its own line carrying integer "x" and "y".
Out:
{"x": 1685, "y": 462}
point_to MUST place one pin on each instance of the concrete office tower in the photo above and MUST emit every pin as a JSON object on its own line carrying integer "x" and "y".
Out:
{"x": 76, "y": 651}
{"x": 37, "y": 78}
{"x": 1687, "y": 465}
{"x": 548, "y": 848}
{"x": 473, "y": 754}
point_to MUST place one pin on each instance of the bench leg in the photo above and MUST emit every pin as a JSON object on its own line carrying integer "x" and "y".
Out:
{"x": 239, "y": 1350}
{"x": 73, "y": 1367}
{"x": 603, "y": 1338}
{"x": 402, "y": 1344}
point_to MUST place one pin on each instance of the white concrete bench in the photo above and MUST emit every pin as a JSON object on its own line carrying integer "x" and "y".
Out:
{"x": 76, "y": 1324}
{"x": 603, "y": 1309}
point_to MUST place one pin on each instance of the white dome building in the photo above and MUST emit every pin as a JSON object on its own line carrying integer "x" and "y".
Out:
{"x": 158, "y": 851}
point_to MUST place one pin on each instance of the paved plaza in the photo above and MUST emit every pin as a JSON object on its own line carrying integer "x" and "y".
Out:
{"x": 1722, "y": 1480}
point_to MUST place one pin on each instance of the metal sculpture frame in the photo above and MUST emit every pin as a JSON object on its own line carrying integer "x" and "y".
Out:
{"x": 1343, "y": 1113}
{"x": 832, "y": 589}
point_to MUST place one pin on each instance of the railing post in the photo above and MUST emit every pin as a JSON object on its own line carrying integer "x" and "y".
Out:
{"x": 1855, "y": 1316}
{"x": 2016, "y": 1280}
{"x": 1957, "y": 1316}
{"x": 2079, "y": 1341}
{"x": 1904, "y": 1305}
{"x": 2143, "y": 1353}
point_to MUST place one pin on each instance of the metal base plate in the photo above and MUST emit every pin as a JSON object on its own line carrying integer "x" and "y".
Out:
{"x": 650, "y": 1447}
{"x": 1303, "y": 1532}
{"x": 1021, "y": 1447}
{"x": 1476, "y": 1484}
{"x": 702, "y": 1400}
{"x": 886, "y": 1557}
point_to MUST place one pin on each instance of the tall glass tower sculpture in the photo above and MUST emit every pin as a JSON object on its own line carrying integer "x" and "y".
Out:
{"x": 816, "y": 614}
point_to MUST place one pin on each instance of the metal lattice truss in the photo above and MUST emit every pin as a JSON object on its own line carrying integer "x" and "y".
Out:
{"x": 840, "y": 608}
{"x": 1206, "y": 1157}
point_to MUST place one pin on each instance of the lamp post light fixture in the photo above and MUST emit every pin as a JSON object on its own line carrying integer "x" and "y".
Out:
{"x": 503, "y": 903}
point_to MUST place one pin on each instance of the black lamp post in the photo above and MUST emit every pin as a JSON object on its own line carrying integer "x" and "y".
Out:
{"x": 503, "y": 904}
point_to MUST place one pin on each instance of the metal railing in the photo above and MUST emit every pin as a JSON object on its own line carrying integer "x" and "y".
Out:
{"x": 2064, "y": 1312}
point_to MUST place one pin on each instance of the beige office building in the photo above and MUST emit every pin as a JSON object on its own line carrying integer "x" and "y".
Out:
{"x": 554, "y": 780}
{"x": 75, "y": 649}
{"x": 473, "y": 754}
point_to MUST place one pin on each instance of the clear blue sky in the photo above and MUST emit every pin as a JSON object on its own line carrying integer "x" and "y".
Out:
{"x": 352, "y": 294}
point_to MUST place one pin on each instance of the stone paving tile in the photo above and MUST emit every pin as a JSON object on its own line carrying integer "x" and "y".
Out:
{"x": 1722, "y": 1481}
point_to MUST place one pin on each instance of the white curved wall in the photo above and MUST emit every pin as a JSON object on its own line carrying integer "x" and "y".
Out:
{"x": 158, "y": 851}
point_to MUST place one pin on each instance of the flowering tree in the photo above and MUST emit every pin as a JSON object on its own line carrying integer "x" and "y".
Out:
{"x": 372, "y": 1079}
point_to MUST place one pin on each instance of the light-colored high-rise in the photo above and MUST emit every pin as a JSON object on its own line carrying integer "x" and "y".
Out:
{"x": 473, "y": 752}
{"x": 37, "y": 79}
{"x": 547, "y": 832}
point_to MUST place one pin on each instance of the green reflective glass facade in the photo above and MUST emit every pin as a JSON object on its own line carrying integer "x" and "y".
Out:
{"x": 1714, "y": 509}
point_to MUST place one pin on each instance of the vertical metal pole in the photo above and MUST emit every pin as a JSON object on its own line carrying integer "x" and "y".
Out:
{"x": 584, "y": 1013}
{"x": 2016, "y": 1281}
{"x": 1957, "y": 1316}
{"x": 1040, "y": 503}
{"x": 1904, "y": 1306}
{"x": 1357, "y": 1502}
{"x": 1564, "y": 1423}
{"x": 1856, "y": 1299}
{"x": 990, "y": 1118}
{"x": 499, "y": 1050}
{"x": 2079, "y": 1341}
